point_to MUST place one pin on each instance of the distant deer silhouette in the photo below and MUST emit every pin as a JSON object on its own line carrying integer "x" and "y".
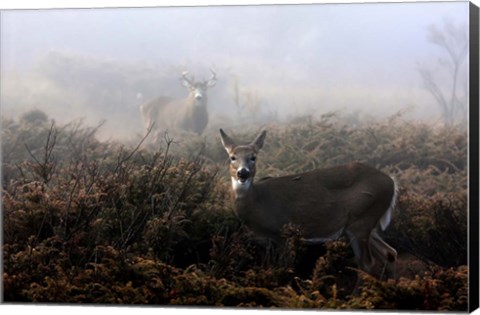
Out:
{"x": 189, "y": 114}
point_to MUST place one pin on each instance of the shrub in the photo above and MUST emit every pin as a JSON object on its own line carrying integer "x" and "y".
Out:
{"x": 100, "y": 222}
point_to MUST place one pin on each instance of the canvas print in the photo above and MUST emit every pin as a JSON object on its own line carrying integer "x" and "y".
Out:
{"x": 309, "y": 156}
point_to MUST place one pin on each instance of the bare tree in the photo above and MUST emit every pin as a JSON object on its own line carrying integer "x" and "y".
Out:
{"x": 452, "y": 96}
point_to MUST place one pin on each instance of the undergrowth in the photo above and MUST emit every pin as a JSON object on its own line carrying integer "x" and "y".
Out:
{"x": 99, "y": 222}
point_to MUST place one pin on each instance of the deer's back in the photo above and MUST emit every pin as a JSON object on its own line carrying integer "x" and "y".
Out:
{"x": 152, "y": 108}
{"x": 321, "y": 200}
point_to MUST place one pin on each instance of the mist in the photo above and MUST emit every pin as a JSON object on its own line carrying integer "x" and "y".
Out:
{"x": 284, "y": 61}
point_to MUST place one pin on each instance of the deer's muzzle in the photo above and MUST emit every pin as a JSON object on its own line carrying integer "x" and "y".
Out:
{"x": 243, "y": 174}
{"x": 198, "y": 96}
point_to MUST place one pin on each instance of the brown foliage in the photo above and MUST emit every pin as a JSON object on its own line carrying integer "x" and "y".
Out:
{"x": 111, "y": 224}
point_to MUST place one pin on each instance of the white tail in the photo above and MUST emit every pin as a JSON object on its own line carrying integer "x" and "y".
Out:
{"x": 189, "y": 114}
{"x": 353, "y": 199}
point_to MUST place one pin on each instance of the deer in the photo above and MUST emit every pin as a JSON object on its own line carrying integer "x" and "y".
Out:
{"x": 189, "y": 114}
{"x": 354, "y": 200}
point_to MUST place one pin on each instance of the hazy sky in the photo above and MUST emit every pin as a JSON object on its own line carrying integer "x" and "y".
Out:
{"x": 295, "y": 34}
{"x": 368, "y": 52}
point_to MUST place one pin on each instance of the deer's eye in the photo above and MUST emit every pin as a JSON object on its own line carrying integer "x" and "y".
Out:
{"x": 253, "y": 158}
{"x": 233, "y": 158}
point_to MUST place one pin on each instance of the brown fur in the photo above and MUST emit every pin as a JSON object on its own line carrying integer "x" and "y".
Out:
{"x": 350, "y": 198}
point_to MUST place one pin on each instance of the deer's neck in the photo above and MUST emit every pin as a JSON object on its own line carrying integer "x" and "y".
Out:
{"x": 243, "y": 194}
{"x": 242, "y": 191}
{"x": 251, "y": 208}
{"x": 197, "y": 104}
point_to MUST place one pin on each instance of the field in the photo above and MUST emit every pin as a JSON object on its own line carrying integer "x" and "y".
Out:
{"x": 87, "y": 221}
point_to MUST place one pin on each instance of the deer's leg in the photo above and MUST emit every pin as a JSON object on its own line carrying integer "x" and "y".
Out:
{"x": 384, "y": 253}
{"x": 359, "y": 241}
{"x": 367, "y": 248}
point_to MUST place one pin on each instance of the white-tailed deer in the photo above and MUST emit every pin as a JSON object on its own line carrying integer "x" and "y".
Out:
{"x": 353, "y": 199}
{"x": 189, "y": 114}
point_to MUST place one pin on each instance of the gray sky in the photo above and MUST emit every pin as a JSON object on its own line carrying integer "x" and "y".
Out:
{"x": 345, "y": 33}
{"x": 296, "y": 57}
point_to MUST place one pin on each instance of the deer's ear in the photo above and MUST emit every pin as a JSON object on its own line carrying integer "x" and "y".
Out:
{"x": 227, "y": 142}
{"x": 258, "y": 142}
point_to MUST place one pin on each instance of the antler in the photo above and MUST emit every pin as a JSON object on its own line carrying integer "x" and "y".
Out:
{"x": 184, "y": 77}
{"x": 212, "y": 80}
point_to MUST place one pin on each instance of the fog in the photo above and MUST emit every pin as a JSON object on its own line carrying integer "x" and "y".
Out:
{"x": 284, "y": 60}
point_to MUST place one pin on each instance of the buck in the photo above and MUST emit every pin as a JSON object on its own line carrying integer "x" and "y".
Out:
{"x": 189, "y": 114}
{"x": 353, "y": 199}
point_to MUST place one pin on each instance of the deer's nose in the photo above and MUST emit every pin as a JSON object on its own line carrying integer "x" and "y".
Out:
{"x": 198, "y": 97}
{"x": 243, "y": 174}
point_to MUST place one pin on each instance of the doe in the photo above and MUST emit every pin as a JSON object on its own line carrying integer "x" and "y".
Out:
{"x": 353, "y": 199}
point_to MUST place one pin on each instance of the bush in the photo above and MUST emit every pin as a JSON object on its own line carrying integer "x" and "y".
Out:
{"x": 432, "y": 228}
{"x": 99, "y": 222}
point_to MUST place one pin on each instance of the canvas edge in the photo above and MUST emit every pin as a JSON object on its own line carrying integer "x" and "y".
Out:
{"x": 473, "y": 260}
